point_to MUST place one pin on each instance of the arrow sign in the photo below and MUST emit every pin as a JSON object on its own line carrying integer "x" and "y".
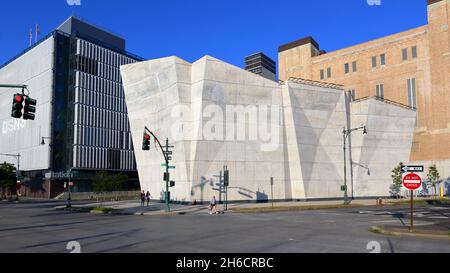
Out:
{"x": 412, "y": 169}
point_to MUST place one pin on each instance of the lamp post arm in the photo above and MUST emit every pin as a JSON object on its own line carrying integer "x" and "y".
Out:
{"x": 349, "y": 131}
{"x": 362, "y": 166}
{"x": 159, "y": 143}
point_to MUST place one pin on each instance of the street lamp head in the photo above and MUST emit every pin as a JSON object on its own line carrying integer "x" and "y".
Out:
{"x": 365, "y": 131}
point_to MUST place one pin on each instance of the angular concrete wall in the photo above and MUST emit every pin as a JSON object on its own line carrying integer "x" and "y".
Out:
{"x": 216, "y": 114}
{"x": 153, "y": 89}
{"x": 389, "y": 140}
{"x": 315, "y": 117}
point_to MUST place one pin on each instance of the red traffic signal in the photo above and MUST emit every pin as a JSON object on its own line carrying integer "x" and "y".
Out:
{"x": 18, "y": 98}
{"x": 146, "y": 142}
{"x": 17, "y": 106}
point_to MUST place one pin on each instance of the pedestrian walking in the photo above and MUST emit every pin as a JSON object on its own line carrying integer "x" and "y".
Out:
{"x": 147, "y": 198}
{"x": 142, "y": 198}
{"x": 213, "y": 206}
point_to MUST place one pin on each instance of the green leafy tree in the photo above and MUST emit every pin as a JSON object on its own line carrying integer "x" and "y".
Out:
{"x": 434, "y": 177}
{"x": 99, "y": 183}
{"x": 8, "y": 178}
{"x": 397, "y": 181}
{"x": 117, "y": 182}
{"x": 104, "y": 183}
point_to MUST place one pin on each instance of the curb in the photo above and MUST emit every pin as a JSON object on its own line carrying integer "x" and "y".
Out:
{"x": 381, "y": 230}
{"x": 297, "y": 208}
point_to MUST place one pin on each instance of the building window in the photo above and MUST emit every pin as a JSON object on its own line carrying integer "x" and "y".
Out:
{"x": 405, "y": 54}
{"x": 414, "y": 52}
{"x": 374, "y": 61}
{"x": 412, "y": 98}
{"x": 383, "y": 59}
{"x": 322, "y": 74}
{"x": 380, "y": 91}
{"x": 329, "y": 72}
{"x": 347, "y": 68}
{"x": 352, "y": 94}
{"x": 355, "y": 66}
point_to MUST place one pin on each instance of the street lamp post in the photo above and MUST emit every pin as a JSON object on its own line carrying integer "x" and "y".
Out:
{"x": 346, "y": 133}
{"x": 69, "y": 198}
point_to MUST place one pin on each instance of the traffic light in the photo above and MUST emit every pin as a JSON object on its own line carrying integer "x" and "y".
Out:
{"x": 30, "y": 109}
{"x": 17, "y": 106}
{"x": 146, "y": 142}
{"x": 226, "y": 178}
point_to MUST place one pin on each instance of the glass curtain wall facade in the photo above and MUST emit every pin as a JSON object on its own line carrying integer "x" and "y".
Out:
{"x": 102, "y": 137}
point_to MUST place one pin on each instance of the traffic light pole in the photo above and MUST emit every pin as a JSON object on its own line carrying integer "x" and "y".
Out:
{"x": 23, "y": 87}
{"x": 166, "y": 158}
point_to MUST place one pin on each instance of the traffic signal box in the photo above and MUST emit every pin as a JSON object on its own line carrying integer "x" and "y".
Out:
{"x": 18, "y": 105}
{"x": 30, "y": 109}
{"x": 146, "y": 142}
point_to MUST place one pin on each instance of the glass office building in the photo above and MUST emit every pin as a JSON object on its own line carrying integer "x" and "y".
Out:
{"x": 81, "y": 114}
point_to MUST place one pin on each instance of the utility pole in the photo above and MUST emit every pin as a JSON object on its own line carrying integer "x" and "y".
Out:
{"x": 226, "y": 184}
{"x": 271, "y": 189}
{"x": 220, "y": 187}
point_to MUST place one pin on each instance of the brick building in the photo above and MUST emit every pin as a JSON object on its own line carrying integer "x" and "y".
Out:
{"x": 411, "y": 68}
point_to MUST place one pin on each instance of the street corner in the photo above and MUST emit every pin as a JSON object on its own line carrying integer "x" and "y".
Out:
{"x": 426, "y": 230}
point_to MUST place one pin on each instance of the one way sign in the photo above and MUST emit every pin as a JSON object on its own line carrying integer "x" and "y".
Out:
{"x": 412, "y": 169}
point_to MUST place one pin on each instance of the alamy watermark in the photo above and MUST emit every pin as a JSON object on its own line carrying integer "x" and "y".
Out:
{"x": 374, "y": 247}
{"x": 250, "y": 123}
{"x": 74, "y": 247}
{"x": 374, "y": 2}
{"x": 73, "y": 2}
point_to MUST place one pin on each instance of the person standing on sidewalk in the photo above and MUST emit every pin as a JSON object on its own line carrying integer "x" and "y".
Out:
{"x": 147, "y": 198}
{"x": 142, "y": 198}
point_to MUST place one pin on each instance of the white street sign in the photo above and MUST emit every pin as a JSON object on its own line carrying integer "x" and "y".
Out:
{"x": 412, "y": 169}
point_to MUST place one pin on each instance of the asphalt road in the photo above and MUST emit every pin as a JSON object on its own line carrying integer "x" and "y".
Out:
{"x": 36, "y": 227}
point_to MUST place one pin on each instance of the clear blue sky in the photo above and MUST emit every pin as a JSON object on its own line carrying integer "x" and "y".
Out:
{"x": 226, "y": 29}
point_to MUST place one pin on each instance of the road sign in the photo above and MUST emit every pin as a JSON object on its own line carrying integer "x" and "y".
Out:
{"x": 412, "y": 181}
{"x": 170, "y": 167}
{"x": 412, "y": 169}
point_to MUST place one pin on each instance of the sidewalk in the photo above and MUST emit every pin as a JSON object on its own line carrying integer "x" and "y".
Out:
{"x": 158, "y": 208}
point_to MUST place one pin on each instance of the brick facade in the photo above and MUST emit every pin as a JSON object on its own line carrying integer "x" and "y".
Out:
{"x": 360, "y": 68}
